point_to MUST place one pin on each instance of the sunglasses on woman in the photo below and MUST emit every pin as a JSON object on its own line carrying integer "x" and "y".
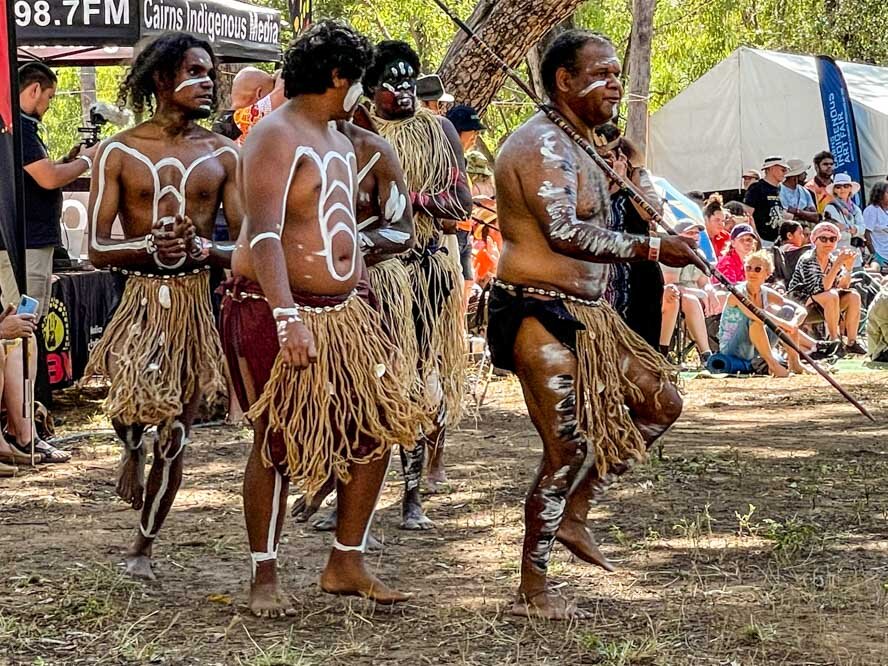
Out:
{"x": 841, "y": 187}
{"x": 754, "y": 269}
{"x": 827, "y": 239}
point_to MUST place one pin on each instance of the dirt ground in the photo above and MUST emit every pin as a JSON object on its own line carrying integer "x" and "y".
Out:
{"x": 759, "y": 537}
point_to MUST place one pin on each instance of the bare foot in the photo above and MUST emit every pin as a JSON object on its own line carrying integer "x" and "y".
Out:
{"x": 578, "y": 539}
{"x": 131, "y": 477}
{"x": 374, "y": 545}
{"x": 326, "y": 524}
{"x": 800, "y": 370}
{"x": 435, "y": 479}
{"x": 414, "y": 518}
{"x": 779, "y": 371}
{"x": 355, "y": 581}
{"x": 268, "y": 601}
{"x": 303, "y": 509}
{"x": 547, "y": 605}
{"x": 139, "y": 566}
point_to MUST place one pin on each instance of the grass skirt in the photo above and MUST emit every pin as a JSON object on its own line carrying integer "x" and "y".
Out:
{"x": 603, "y": 387}
{"x": 349, "y": 407}
{"x": 159, "y": 348}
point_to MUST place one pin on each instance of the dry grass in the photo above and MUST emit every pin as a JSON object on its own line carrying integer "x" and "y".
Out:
{"x": 759, "y": 538}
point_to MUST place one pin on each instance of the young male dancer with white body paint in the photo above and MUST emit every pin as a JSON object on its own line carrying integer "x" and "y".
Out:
{"x": 307, "y": 347}
{"x": 165, "y": 179}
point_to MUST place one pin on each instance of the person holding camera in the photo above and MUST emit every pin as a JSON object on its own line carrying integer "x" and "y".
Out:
{"x": 44, "y": 179}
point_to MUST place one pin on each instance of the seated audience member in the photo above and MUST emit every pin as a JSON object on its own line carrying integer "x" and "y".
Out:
{"x": 714, "y": 218}
{"x": 824, "y": 165}
{"x": 764, "y": 198}
{"x": 875, "y": 222}
{"x": 689, "y": 290}
{"x": 845, "y": 214}
{"x": 795, "y": 197}
{"x": 791, "y": 244}
{"x": 743, "y": 242}
{"x": 877, "y": 327}
{"x": 13, "y": 327}
{"x": 738, "y": 213}
{"x": 822, "y": 280}
{"x": 743, "y": 336}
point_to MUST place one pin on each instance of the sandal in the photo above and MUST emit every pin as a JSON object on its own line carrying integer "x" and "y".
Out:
{"x": 49, "y": 453}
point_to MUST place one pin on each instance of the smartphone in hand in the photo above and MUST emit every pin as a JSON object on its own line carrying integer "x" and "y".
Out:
{"x": 28, "y": 305}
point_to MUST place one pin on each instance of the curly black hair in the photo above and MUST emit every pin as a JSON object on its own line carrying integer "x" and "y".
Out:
{"x": 328, "y": 46}
{"x": 563, "y": 51}
{"x": 384, "y": 53}
{"x": 163, "y": 56}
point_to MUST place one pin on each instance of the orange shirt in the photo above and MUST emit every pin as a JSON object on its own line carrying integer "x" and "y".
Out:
{"x": 822, "y": 198}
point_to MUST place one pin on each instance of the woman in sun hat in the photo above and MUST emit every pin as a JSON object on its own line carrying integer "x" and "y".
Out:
{"x": 844, "y": 213}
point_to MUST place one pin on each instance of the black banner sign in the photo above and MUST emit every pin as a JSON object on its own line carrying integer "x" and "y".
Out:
{"x": 237, "y": 30}
{"x": 76, "y": 22}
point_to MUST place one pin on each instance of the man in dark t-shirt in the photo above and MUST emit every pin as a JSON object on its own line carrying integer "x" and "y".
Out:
{"x": 43, "y": 180}
{"x": 764, "y": 197}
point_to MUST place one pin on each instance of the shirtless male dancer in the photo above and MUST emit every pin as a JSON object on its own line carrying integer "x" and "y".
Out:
{"x": 308, "y": 350}
{"x": 165, "y": 179}
{"x": 579, "y": 365}
{"x": 431, "y": 156}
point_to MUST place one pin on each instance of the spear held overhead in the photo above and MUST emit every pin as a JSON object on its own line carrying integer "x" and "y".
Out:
{"x": 562, "y": 123}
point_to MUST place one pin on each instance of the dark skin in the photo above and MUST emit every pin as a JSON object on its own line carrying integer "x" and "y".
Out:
{"x": 291, "y": 263}
{"x": 395, "y": 98}
{"x": 129, "y": 191}
{"x": 552, "y": 201}
{"x": 808, "y": 214}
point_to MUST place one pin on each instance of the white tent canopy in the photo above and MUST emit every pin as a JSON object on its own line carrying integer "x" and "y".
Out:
{"x": 759, "y": 103}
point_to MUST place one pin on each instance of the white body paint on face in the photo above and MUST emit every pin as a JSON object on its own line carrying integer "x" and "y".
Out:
{"x": 193, "y": 82}
{"x": 325, "y": 211}
{"x": 352, "y": 96}
{"x": 160, "y": 191}
{"x": 595, "y": 85}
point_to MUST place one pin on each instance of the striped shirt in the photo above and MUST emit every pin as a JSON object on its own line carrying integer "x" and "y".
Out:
{"x": 807, "y": 279}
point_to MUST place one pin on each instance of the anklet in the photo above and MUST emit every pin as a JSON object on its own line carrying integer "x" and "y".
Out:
{"x": 339, "y": 546}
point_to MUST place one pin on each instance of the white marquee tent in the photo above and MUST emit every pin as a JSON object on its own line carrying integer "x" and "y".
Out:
{"x": 759, "y": 103}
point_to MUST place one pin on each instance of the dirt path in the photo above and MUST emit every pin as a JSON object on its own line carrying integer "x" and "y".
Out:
{"x": 759, "y": 538}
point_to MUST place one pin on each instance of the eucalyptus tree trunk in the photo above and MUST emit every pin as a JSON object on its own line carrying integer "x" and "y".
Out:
{"x": 639, "y": 64}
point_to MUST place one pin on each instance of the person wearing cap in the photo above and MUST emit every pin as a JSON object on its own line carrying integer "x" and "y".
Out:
{"x": 764, "y": 197}
{"x": 843, "y": 212}
{"x": 744, "y": 242}
{"x": 824, "y": 166}
{"x": 468, "y": 123}
{"x": 822, "y": 280}
{"x": 431, "y": 94}
{"x": 688, "y": 289}
{"x": 795, "y": 197}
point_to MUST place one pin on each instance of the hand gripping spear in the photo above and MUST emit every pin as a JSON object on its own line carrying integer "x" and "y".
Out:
{"x": 634, "y": 194}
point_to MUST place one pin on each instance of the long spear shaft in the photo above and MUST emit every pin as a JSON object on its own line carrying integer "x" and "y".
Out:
{"x": 700, "y": 261}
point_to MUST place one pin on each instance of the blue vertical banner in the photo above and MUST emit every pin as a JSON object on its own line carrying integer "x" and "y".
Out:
{"x": 841, "y": 130}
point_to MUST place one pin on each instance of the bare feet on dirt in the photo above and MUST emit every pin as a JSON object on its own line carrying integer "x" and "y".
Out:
{"x": 303, "y": 509}
{"x": 435, "y": 479}
{"x": 131, "y": 478}
{"x": 414, "y": 518}
{"x": 139, "y": 566}
{"x": 326, "y": 523}
{"x": 268, "y": 601}
{"x": 547, "y": 605}
{"x": 578, "y": 539}
{"x": 352, "y": 579}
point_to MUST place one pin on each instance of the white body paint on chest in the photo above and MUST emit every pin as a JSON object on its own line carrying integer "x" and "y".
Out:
{"x": 160, "y": 191}
{"x": 327, "y": 211}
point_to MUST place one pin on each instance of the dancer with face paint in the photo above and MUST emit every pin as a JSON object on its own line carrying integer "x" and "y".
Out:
{"x": 165, "y": 179}
{"x": 594, "y": 389}
{"x": 308, "y": 350}
{"x": 430, "y": 153}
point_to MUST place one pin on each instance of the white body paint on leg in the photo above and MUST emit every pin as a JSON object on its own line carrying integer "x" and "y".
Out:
{"x": 363, "y": 546}
{"x": 270, "y": 541}
{"x": 167, "y": 459}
